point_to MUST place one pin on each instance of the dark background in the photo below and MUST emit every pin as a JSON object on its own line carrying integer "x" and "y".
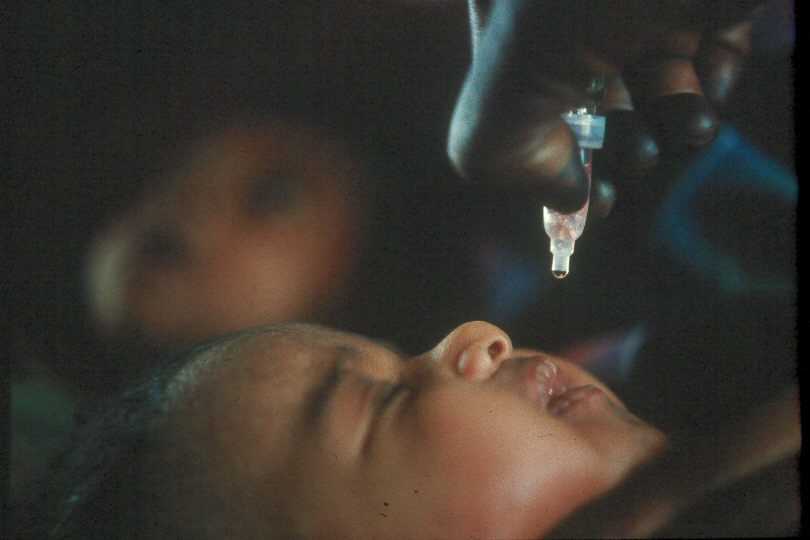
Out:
{"x": 99, "y": 96}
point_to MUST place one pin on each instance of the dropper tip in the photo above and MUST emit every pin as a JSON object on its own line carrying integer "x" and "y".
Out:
{"x": 560, "y": 263}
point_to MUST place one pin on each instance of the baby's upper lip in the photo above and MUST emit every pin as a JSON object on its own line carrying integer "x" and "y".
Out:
{"x": 543, "y": 379}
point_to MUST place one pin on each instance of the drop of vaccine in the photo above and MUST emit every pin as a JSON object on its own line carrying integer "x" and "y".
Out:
{"x": 559, "y": 274}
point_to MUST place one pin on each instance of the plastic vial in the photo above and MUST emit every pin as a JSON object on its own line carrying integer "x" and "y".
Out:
{"x": 564, "y": 229}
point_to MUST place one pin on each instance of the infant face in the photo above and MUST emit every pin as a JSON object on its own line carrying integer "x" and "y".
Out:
{"x": 352, "y": 439}
{"x": 259, "y": 225}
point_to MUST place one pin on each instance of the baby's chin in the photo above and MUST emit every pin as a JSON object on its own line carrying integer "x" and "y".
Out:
{"x": 623, "y": 440}
{"x": 625, "y": 443}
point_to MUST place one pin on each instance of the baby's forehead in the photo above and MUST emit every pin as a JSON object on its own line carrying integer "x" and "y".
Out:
{"x": 237, "y": 405}
{"x": 278, "y": 366}
{"x": 252, "y": 392}
{"x": 272, "y": 354}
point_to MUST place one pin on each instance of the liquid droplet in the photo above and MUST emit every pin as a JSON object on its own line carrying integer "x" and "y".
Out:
{"x": 559, "y": 274}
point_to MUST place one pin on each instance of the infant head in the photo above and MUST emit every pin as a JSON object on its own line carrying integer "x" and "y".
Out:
{"x": 301, "y": 430}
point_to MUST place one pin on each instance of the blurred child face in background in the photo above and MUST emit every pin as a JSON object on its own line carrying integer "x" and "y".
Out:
{"x": 347, "y": 439}
{"x": 259, "y": 224}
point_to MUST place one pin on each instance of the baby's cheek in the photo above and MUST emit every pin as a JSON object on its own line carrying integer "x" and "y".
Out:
{"x": 455, "y": 437}
{"x": 516, "y": 473}
{"x": 479, "y": 451}
{"x": 458, "y": 456}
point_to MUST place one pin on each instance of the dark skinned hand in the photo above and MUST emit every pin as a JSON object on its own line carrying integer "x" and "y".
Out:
{"x": 667, "y": 67}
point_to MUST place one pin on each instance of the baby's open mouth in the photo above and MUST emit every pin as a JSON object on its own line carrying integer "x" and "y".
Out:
{"x": 550, "y": 388}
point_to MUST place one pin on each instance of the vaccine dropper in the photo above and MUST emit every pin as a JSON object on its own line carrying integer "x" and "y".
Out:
{"x": 564, "y": 229}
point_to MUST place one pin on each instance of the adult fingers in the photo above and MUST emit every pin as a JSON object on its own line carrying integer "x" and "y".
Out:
{"x": 629, "y": 149}
{"x": 720, "y": 60}
{"x": 506, "y": 128}
{"x": 689, "y": 71}
{"x": 533, "y": 60}
{"x": 668, "y": 91}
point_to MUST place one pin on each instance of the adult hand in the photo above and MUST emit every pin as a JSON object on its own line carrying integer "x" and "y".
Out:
{"x": 667, "y": 67}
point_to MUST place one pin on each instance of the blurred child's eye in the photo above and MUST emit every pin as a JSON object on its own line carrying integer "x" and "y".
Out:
{"x": 271, "y": 193}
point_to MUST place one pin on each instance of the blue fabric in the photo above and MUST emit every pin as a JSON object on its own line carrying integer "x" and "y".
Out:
{"x": 731, "y": 162}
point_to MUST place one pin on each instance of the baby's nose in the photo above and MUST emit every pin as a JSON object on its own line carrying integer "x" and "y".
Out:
{"x": 474, "y": 350}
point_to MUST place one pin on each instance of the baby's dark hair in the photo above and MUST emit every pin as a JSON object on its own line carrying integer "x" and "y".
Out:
{"x": 105, "y": 484}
